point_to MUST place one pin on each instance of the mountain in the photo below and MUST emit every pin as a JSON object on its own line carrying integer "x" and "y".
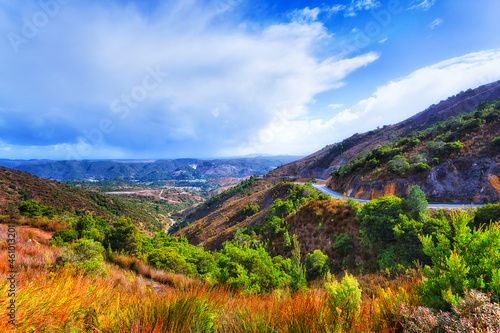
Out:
{"x": 448, "y": 148}
{"x": 18, "y": 186}
{"x": 178, "y": 169}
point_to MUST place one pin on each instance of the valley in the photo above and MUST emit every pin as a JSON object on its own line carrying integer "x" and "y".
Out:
{"x": 221, "y": 241}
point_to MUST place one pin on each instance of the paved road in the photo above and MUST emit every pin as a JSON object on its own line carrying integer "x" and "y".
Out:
{"x": 337, "y": 195}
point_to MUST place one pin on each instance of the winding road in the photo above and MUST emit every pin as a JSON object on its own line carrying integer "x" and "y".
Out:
{"x": 333, "y": 194}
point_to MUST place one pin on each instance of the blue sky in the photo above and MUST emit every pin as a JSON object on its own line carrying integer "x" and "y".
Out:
{"x": 213, "y": 78}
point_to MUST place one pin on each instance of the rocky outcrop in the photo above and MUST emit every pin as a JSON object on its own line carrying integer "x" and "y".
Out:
{"x": 463, "y": 180}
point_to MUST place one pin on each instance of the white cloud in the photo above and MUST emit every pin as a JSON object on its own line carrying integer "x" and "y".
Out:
{"x": 335, "y": 106}
{"x": 221, "y": 86}
{"x": 394, "y": 102}
{"x": 434, "y": 24}
{"x": 305, "y": 15}
{"x": 354, "y": 8}
{"x": 424, "y": 5}
{"x": 382, "y": 41}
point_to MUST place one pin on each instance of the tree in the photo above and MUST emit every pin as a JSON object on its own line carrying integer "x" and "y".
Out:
{"x": 85, "y": 255}
{"x": 469, "y": 260}
{"x": 125, "y": 236}
{"x": 287, "y": 242}
{"x": 30, "y": 208}
{"x": 343, "y": 244}
{"x": 417, "y": 203}
{"x": 316, "y": 264}
{"x": 297, "y": 272}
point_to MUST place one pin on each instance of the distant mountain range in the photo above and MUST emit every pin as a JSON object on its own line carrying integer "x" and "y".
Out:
{"x": 175, "y": 169}
{"x": 449, "y": 150}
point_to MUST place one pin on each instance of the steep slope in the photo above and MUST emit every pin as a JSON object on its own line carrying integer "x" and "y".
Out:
{"x": 17, "y": 186}
{"x": 216, "y": 220}
{"x": 331, "y": 157}
{"x": 461, "y": 174}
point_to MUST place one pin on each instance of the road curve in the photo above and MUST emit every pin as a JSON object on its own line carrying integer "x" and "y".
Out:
{"x": 333, "y": 194}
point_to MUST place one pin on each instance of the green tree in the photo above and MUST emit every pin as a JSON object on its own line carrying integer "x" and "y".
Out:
{"x": 297, "y": 272}
{"x": 170, "y": 260}
{"x": 469, "y": 260}
{"x": 345, "y": 300}
{"x": 343, "y": 244}
{"x": 487, "y": 214}
{"x": 125, "y": 236}
{"x": 417, "y": 203}
{"x": 287, "y": 242}
{"x": 85, "y": 255}
{"x": 31, "y": 208}
{"x": 316, "y": 264}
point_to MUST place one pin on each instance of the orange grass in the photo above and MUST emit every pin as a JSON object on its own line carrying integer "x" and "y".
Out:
{"x": 60, "y": 300}
{"x": 120, "y": 302}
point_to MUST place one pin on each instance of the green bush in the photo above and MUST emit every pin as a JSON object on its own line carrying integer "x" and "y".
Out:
{"x": 316, "y": 264}
{"x": 420, "y": 167}
{"x": 496, "y": 141}
{"x": 469, "y": 260}
{"x": 417, "y": 203}
{"x": 486, "y": 214}
{"x": 297, "y": 272}
{"x": 170, "y": 260}
{"x": 85, "y": 255}
{"x": 250, "y": 269}
{"x": 66, "y": 236}
{"x": 31, "y": 208}
{"x": 287, "y": 241}
{"x": 398, "y": 164}
{"x": 251, "y": 209}
{"x": 344, "y": 296}
{"x": 343, "y": 244}
{"x": 378, "y": 218}
{"x": 374, "y": 163}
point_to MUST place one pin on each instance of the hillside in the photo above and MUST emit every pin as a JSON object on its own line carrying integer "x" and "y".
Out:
{"x": 466, "y": 174}
{"x": 216, "y": 220}
{"x": 147, "y": 171}
{"x": 18, "y": 186}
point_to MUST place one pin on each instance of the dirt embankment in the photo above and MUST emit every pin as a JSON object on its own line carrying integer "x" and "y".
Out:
{"x": 463, "y": 180}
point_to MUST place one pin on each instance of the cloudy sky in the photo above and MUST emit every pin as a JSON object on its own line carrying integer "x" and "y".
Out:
{"x": 165, "y": 79}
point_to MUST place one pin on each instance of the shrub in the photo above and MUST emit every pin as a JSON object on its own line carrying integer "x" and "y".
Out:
{"x": 343, "y": 244}
{"x": 486, "y": 214}
{"x": 250, "y": 269}
{"x": 453, "y": 146}
{"x": 470, "y": 260}
{"x": 417, "y": 203}
{"x": 85, "y": 255}
{"x": 297, "y": 273}
{"x": 398, "y": 164}
{"x": 66, "y": 236}
{"x": 378, "y": 218}
{"x": 344, "y": 296}
{"x": 373, "y": 163}
{"x": 316, "y": 264}
{"x": 435, "y": 161}
{"x": 31, "y": 208}
{"x": 251, "y": 209}
{"x": 474, "y": 313}
{"x": 420, "y": 167}
{"x": 496, "y": 141}
{"x": 169, "y": 259}
{"x": 287, "y": 241}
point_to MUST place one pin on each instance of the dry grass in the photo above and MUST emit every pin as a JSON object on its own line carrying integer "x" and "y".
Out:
{"x": 174, "y": 280}
{"x": 61, "y": 300}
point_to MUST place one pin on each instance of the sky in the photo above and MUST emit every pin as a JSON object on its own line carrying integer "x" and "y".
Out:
{"x": 157, "y": 79}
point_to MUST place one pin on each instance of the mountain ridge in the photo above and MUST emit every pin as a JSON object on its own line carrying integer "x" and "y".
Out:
{"x": 336, "y": 156}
